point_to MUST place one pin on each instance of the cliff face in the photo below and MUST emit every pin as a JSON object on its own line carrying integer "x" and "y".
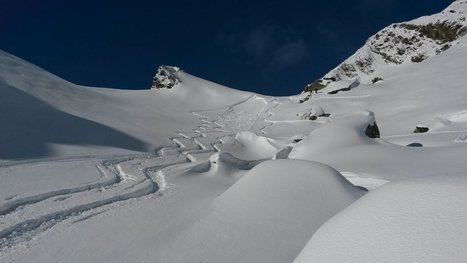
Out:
{"x": 401, "y": 43}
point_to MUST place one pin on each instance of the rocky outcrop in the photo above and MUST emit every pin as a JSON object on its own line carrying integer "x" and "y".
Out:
{"x": 401, "y": 43}
{"x": 354, "y": 84}
{"x": 372, "y": 131}
{"x": 420, "y": 129}
{"x": 315, "y": 113}
{"x": 376, "y": 80}
{"x": 165, "y": 78}
{"x": 315, "y": 86}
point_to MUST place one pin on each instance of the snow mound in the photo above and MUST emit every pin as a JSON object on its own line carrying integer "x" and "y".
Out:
{"x": 421, "y": 220}
{"x": 344, "y": 145}
{"x": 458, "y": 116}
{"x": 224, "y": 165}
{"x": 249, "y": 146}
{"x": 267, "y": 216}
{"x": 197, "y": 94}
{"x": 344, "y": 132}
{"x": 315, "y": 113}
{"x": 455, "y": 120}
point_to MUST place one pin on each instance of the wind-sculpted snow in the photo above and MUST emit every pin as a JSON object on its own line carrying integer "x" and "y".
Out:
{"x": 418, "y": 220}
{"x": 344, "y": 145}
{"x": 29, "y": 126}
{"x": 185, "y": 174}
{"x": 278, "y": 205}
{"x": 223, "y": 146}
{"x": 29, "y": 215}
{"x": 128, "y": 177}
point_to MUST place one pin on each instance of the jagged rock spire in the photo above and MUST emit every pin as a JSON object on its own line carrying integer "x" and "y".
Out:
{"x": 165, "y": 77}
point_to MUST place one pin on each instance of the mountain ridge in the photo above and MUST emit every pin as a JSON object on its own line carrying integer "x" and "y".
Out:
{"x": 401, "y": 43}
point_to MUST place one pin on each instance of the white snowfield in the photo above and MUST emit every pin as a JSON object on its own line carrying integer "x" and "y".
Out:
{"x": 204, "y": 173}
{"x": 419, "y": 220}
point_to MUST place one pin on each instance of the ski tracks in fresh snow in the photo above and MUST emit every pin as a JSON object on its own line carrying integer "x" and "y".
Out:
{"x": 128, "y": 177}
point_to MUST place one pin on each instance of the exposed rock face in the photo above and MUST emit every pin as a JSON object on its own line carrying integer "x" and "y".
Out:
{"x": 165, "y": 78}
{"x": 372, "y": 131}
{"x": 415, "y": 144}
{"x": 401, "y": 43}
{"x": 376, "y": 80}
{"x": 419, "y": 129}
{"x": 354, "y": 84}
{"x": 315, "y": 113}
{"x": 315, "y": 86}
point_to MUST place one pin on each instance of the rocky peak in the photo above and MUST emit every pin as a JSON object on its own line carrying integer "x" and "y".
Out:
{"x": 402, "y": 43}
{"x": 166, "y": 77}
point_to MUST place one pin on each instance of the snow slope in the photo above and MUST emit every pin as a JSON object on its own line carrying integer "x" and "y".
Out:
{"x": 46, "y": 116}
{"x": 183, "y": 172}
{"x": 278, "y": 205}
{"x": 419, "y": 220}
{"x": 404, "y": 43}
{"x": 343, "y": 144}
{"x": 426, "y": 94}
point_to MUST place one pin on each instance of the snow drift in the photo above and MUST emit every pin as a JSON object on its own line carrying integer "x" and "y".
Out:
{"x": 276, "y": 206}
{"x": 419, "y": 220}
{"x": 181, "y": 173}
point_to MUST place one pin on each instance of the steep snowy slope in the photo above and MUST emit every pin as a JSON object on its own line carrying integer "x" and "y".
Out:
{"x": 404, "y": 43}
{"x": 31, "y": 128}
{"x": 43, "y": 115}
{"x": 429, "y": 94}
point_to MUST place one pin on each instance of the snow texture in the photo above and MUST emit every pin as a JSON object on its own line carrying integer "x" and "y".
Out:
{"x": 192, "y": 171}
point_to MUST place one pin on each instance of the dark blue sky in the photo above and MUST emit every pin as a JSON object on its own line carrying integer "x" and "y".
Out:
{"x": 271, "y": 47}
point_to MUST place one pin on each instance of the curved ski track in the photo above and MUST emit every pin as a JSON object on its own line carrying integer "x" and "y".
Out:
{"x": 127, "y": 177}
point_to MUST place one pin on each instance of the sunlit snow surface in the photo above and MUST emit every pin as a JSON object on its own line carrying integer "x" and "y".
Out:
{"x": 205, "y": 173}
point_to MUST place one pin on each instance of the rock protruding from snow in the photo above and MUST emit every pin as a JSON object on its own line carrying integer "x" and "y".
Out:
{"x": 402, "y": 43}
{"x": 353, "y": 129}
{"x": 315, "y": 113}
{"x": 165, "y": 78}
{"x": 420, "y": 129}
{"x": 372, "y": 131}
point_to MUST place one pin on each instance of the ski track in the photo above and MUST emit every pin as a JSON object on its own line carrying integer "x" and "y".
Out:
{"x": 128, "y": 177}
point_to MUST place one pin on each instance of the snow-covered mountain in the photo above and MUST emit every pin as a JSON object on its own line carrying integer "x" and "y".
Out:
{"x": 400, "y": 44}
{"x": 192, "y": 171}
